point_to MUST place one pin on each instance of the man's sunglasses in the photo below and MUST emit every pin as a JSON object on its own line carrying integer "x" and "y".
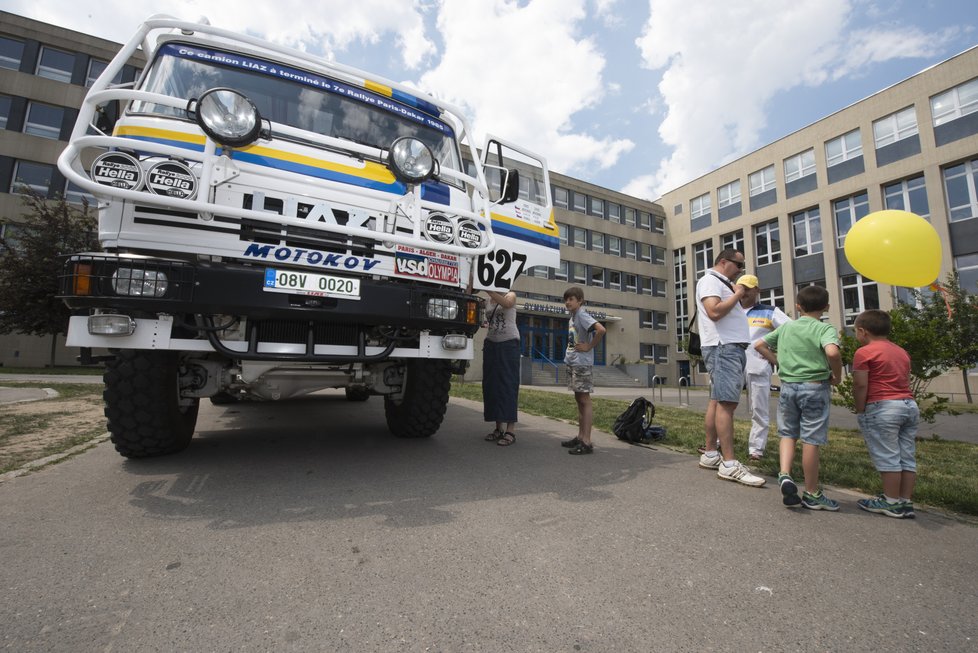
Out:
{"x": 740, "y": 264}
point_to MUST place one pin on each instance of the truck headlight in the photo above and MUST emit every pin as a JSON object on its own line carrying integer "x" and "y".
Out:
{"x": 410, "y": 160}
{"x": 134, "y": 282}
{"x": 228, "y": 117}
{"x": 440, "y": 308}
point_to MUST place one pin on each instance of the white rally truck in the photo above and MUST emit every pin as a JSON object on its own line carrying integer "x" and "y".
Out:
{"x": 275, "y": 224}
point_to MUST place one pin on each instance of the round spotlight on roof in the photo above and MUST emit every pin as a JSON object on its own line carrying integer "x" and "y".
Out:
{"x": 228, "y": 117}
{"x": 410, "y": 160}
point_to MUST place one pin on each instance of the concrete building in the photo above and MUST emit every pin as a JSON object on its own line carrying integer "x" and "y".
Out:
{"x": 789, "y": 205}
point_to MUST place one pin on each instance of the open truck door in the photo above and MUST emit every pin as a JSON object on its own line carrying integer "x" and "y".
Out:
{"x": 522, "y": 216}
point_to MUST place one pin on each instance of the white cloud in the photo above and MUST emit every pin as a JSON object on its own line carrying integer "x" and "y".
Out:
{"x": 522, "y": 72}
{"x": 724, "y": 62}
{"x": 313, "y": 27}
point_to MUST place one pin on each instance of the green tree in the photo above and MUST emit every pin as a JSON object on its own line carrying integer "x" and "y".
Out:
{"x": 962, "y": 328}
{"x": 31, "y": 248}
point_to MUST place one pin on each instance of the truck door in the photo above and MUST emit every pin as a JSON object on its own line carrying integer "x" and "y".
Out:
{"x": 522, "y": 216}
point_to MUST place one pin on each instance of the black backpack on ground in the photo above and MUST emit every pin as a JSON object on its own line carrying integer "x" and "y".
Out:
{"x": 635, "y": 424}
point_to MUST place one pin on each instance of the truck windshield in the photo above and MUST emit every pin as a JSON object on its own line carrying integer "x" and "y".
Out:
{"x": 295, "y": 97}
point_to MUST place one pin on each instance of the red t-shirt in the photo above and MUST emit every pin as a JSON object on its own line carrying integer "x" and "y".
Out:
{"x": 889, "y": 370}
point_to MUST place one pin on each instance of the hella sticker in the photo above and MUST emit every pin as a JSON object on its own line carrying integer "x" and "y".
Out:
{"x": 469, "y": 234}
{"x": 438, "y": 228}
{"x": 118, "y": 170}
{"x": 172, "y": 179}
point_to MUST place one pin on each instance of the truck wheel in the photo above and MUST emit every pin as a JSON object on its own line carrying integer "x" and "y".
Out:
{"x": 142, "y": 404}
{"x": 357, "y": 394}
{"x": 420, "y": 410}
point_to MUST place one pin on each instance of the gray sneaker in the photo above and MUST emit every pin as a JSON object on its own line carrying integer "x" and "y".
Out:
{"x": 740, "y": 474}
{"x": 710, "y": 462}
{"x": 818, "y": 501}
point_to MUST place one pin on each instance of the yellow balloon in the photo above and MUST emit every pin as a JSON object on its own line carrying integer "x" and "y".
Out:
{"x": 895, "y": 247}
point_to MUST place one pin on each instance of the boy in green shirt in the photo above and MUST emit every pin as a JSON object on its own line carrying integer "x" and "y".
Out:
{"x": 809, "y": 362}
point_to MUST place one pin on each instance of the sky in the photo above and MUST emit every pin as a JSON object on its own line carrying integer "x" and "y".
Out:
{"x": 640, "y": 96}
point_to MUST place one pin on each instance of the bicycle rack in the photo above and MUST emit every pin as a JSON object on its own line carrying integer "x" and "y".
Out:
{"x": 683, "y": 383}
{"x": 657, "y": 381}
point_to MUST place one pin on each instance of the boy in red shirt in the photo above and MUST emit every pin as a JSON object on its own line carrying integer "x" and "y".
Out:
{"x": 888, "y": 414}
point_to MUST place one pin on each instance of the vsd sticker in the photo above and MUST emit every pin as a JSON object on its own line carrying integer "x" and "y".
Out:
{"x": 413, "y": 263}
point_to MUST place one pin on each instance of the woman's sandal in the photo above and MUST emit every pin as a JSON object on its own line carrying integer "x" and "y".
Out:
{"x": 507, "y": 439}
{"x": 494, "y": 436}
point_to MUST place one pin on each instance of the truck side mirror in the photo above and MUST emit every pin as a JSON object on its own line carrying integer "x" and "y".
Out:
{"x": 511, "y": 189}
{"x": 107, "y": 115}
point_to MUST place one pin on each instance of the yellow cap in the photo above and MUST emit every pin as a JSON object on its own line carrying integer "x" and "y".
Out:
{"x": 748, "y": 281}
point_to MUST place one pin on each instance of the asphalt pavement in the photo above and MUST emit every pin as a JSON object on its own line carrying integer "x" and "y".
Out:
{"x": 308, "y": 527}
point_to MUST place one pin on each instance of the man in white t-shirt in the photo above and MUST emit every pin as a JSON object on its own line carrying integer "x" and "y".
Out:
{"x": 724, "y": 337}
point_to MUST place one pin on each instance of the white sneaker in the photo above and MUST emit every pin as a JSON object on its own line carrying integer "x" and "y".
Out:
{"x": 710, "y": 462}
{"x": 740, "y": 474}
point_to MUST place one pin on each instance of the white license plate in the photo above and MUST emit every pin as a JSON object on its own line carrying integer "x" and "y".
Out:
{"x": 307, "y": 283}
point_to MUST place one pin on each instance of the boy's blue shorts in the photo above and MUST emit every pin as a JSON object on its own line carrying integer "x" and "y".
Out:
{"x": 803, "y": 411}
{"x": 890, "y": 429}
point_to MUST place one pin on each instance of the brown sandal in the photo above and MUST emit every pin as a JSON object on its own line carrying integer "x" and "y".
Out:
{"x": 494, "y": 436}
{"x": 506, "y": 439}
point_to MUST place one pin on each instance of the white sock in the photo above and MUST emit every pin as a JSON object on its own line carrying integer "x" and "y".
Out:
{"x": 711, "y": 454}
{"x": 891, "y": 500}
{"x": 729, "y": 463}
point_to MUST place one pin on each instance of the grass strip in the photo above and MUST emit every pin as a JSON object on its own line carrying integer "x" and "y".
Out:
{"x": 947, "y": 470}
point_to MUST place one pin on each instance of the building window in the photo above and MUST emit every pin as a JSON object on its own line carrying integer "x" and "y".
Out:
{"x": 644, "y": 221}
{"x": 895, "y": 127}
{"x": 733, "y": 241}
{"x": 560, "y": 197}
{"x": 597, "y": 207}
{"x": 907, "y": 195}
{"x": 11, "y": 53}
{"x": 772, "y": 297}
{"x": 597, "y": 277}
{"x": 659, "y": 225}
{"x": 658, "y": 255}
{"x": 702, "y": 257}
{"x": 967, "y": 268}
{"x": 847, "y": 211}
{"x": 960, "y": 183}
{"x": 729, "y": 194}
{"x": 580, "y": 237}
{"x": 631, "y": 249}
{"x": 624, "y": 216}
{"x": 645, "y": 285}
{"x": 614, "y": 212}
{"x": 539, "y": 271}
{"x": 767, "y": 243}
{"x": 954, "y": 103}
{"x": 658, "y": 287}
{"x": 562, "y": 230}
{"x": 614, "y": 279}
{"x": 75, "y": 195}
{"x": 645, "y": 252}
{"x": 631, "y": 283}
{"x": 55, "y": 64}
{"x": 631, "y": 219}
{"x": 858, "y": 295}
{"x": 96, "y": 68}
{"x": 5, "y": 102}
{"x": 44, "y": 120}
{"x": 614, "y": 245}
{"x": 561, "y": 272}
{"x": 799, "y": 165}
{"x": 597, "y": 241}
{"x": 682, "y": 294}
{"x": 36, "y": 176}
{"x": 700, "y": 206}
{"x": 579, "y": 273}
{"x": 806, "y": 227}
{"x": 580, "y": 202}
{"x": 845, "y": 147}
{"x": 761, "y": 181}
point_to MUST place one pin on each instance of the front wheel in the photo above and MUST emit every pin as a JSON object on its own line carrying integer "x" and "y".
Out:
{"x": 421, "y": 408}
{"x": 142, "y": 403}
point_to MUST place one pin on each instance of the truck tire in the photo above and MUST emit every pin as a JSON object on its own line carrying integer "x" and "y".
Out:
{"x": 141, "y": 396}
{"x": 420, "y": 411}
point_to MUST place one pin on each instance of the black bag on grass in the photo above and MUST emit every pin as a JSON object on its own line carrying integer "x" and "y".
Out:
{"x": 631, "y": 424}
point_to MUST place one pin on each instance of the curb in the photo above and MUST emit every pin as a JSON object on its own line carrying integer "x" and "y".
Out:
{"x": 29, "y": 467}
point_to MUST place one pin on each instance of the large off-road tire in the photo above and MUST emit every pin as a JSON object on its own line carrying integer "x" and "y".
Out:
{"x": 142, "y": 404}
{"x": 420, "y": 411}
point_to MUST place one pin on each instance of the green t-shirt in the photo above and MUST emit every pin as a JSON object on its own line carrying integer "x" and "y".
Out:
{"x": 801, "y": 349}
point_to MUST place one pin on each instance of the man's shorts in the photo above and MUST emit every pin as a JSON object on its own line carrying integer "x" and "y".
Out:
{"x": 726, "y": 364}
{"x": 580, "y": 378}
{"x": 803, "y": 411}
{"x": 890, "y": 428}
